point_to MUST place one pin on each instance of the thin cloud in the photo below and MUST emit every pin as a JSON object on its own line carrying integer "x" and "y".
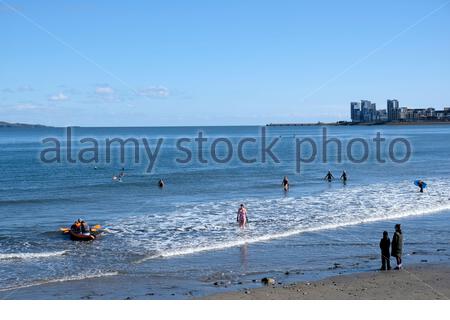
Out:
{"x": 25, "y": 88}
{"x": 154, "y": 92}
{"x": 25, "y": 106}
{"x": 22, "y": 106}
{"x": 104, "y": 90}
{"x": 58, "y": 97}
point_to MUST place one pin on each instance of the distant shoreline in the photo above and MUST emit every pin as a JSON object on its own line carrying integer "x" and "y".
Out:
{"x": 4, "y": 124}
{"x": 358, "y": 124}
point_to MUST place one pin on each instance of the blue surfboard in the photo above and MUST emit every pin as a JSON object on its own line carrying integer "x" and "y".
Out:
{"x": 423, "y": 183}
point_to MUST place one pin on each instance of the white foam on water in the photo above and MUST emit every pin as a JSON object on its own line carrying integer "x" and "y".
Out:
{"x": 30, "y": 255}
{"x": 62, "y": 279}
{"x": 197, "y": 227}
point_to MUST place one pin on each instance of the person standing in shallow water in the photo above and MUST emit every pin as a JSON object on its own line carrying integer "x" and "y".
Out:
{"x": 285, "y": 183}
{"x": 420, "y": 185}
{"x": 385, "y": 245}
{"x": 344, "y": 176}
{"x": 397, "y": 246}
{"x": 329, "y": 176}
{"x": 242, "y": 216}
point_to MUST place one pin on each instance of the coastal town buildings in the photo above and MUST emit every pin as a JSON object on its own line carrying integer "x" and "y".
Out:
{"x": 366, "y": 112}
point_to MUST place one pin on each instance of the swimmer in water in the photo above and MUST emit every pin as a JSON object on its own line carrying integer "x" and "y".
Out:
{"x": 161, "y": 183}
{"x": 242, "y": 216}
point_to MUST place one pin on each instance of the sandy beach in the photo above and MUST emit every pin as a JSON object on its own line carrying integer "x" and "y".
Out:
{"x": 419, "y": 282}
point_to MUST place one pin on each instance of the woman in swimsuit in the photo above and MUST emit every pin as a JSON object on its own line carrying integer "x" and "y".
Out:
{"x": 242, "y": 216}
{"x": 285, "y": 183}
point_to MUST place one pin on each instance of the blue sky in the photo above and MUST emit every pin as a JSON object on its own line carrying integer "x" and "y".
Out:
{"x": 148, "y": 63}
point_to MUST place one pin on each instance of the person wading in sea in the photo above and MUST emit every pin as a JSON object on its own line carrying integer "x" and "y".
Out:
{"x": 285, "y": 183}
{"x": 344, "y": 176}
{"x": 329, "y": 176}
{"x": 420, "y": 185}
{"x": 242, "y": 216}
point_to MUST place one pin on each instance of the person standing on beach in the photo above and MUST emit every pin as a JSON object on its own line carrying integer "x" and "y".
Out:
{"x": 242, "y": 216}
{"x": 397, "y": 246}
{"x": 385, "y": 245}
{"x": 285, "y": 183}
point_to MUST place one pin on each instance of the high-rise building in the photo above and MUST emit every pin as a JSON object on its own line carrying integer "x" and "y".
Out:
{"x": 366, "y": 106}
{"x": 366, "y": 112}
{"x": 373, "y": 112}
{"x": 393, "y": 110}
{"x": 355, "y": 111}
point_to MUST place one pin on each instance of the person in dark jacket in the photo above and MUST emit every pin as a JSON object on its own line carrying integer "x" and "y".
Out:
{"x": 329, "y": 176}
{"x": 85, "y": 229}
{"x": 420, "y": 185}
{"x": 397, "y": 246}
{"x": 344, "y": 176}
{"x": 385, "y": 246}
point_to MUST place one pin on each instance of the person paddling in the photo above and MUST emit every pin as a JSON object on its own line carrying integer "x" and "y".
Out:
{"x": 85, "y": 229}
{"x": 76, "y": 226}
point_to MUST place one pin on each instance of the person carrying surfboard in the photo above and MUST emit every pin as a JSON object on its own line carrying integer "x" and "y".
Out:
{"x": 420, "y": 184}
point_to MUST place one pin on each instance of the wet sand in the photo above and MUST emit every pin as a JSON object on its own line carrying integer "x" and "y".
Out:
{"x": 424, "y": 282}
{"x": 421, "y": 282}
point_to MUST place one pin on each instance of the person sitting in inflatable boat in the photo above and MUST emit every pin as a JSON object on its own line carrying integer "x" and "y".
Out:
{"x": 76, "y": 226}
{"x": 80, "y": 230}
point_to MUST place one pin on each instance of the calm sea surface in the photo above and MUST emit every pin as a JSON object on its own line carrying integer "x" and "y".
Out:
{"x": 185, "y": 235}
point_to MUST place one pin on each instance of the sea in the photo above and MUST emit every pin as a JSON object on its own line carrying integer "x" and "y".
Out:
{"x": 182, "y": 241}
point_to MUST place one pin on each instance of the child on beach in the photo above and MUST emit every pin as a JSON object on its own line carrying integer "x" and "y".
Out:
{"x": 385, "y": 244}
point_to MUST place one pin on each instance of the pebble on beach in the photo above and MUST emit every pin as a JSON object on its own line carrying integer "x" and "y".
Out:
{"x": 268, "y": 281}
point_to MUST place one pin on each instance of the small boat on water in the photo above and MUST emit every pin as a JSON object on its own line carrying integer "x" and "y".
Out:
{"x": 77, "y": 233}
{"x": 81, "y": 236}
